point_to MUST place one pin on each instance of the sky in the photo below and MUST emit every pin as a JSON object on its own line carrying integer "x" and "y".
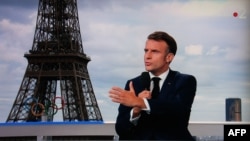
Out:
{"x": 213, "y": 45}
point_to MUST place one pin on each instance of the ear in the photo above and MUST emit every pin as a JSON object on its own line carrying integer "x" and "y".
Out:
{"x": 169, "y": 57}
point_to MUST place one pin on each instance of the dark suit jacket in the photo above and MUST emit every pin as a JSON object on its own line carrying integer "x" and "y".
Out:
{"x": 169, "y": 115}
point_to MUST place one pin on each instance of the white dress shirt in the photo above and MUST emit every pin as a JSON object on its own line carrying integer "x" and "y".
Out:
{"x": 147, "y": 109}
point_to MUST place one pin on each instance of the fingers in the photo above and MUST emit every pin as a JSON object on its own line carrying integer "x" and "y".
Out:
{"x": 131, "y": 87}
{"x": 122, "y": 96}
{"x": 116, "y": 88}
{"x": 145, "y": 94}
{"x": 114, "y": 97}
{"x": 115, "y": 93}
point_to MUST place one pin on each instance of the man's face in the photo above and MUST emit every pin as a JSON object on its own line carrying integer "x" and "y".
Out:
{"x": 156, "y": 58}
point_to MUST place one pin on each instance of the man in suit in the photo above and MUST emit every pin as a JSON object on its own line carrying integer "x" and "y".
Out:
{"x": 145, "y": 114}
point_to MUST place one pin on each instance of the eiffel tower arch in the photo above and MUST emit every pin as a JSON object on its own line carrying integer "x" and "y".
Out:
{"x": 56, "y": 59}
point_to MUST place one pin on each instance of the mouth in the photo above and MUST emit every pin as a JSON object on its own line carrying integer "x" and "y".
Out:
{"x": 147, "y": 63}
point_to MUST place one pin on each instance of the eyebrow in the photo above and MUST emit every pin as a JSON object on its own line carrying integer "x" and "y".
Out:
{"x": 153, "y": 50}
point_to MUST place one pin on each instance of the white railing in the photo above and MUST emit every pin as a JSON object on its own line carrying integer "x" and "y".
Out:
{"x": 201, "y": 130}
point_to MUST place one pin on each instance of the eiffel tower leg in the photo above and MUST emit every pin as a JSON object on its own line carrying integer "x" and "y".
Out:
{"x": 80, "y": 102}
{"x": 21, "y": 111}
{"x": 32, "y": 92}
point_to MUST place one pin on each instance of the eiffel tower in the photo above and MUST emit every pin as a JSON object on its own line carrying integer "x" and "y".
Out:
{"x": 56, "y": 60}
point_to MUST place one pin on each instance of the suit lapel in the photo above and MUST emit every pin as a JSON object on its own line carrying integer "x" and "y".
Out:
{"x": 168, "y": 84}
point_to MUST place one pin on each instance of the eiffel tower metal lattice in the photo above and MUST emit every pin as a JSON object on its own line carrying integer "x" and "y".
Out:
{"x": 56, "y": 59}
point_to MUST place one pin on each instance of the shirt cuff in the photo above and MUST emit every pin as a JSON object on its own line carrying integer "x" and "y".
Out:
{"x": 135, "y": 119}
{"x": 147, "y": 109}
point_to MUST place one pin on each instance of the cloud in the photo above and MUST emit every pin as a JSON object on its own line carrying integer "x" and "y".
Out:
{"x": 15, "y": 40}
{"x": 194, "y": 49}
{"x": 25, "y": 4}
{"x": 213, "y": 50}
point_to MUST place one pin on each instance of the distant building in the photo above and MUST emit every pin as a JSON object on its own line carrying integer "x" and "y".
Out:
{"x": 233, "y": 109}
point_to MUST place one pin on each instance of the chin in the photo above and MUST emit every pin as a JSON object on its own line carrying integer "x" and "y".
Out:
{"x": 148, "y": 69}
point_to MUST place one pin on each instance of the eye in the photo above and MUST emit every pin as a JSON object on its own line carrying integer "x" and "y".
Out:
{"x": 155, "y": 51}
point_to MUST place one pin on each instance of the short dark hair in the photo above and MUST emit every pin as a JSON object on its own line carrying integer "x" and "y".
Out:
{"x": 163, "y": 36}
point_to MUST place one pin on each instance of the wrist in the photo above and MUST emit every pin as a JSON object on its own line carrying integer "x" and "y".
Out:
{"x": 136, "y": 111}
{"x": 140, "y": 103}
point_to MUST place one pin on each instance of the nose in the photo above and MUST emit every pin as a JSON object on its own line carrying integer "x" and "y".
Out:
{"x": 147, "y": 55}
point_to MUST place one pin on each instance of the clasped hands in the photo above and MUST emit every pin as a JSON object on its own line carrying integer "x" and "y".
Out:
{"x": 129, "y": 98}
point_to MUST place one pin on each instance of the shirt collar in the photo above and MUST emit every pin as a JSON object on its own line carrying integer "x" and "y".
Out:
{"x": 162, "y": 76}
